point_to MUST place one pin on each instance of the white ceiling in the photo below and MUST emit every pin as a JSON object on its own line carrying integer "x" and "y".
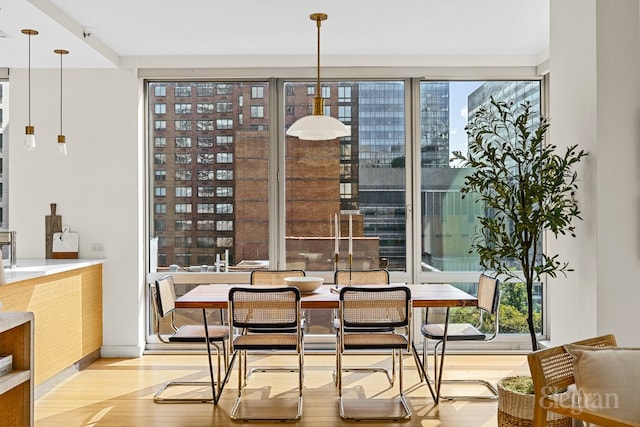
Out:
{"x": 153, "y": 33}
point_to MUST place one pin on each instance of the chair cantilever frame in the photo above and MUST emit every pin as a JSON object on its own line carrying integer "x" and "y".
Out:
{"x": 368, "y": 308}
{"x": 274, "y": 278}
{"x": 488, "y": 304}
{"x": 374, "y": 277}
{"x": 365, "y": 278}
{"x": 163, "y": 298}
{"x": 254, "y": 309}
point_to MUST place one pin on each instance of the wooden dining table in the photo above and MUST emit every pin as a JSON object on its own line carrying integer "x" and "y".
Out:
{"x": 216, "y": 296}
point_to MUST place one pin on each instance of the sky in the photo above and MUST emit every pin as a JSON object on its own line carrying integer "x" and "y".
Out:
{"x": 458, "y": 93}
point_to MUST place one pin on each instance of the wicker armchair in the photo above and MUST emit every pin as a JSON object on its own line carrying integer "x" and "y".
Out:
{"x": 163, "y": 298}
{"x": 256, "y": 309}
{"x": 488, "y": 304}
{"x": 552, "y": 370}
{"x": 370, "y": 308}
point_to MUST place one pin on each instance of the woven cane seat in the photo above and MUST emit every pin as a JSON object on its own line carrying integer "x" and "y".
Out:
{"x": 195, "y": 333}
{"x": 269, "y": 341}
{"x": 374, "y": 341}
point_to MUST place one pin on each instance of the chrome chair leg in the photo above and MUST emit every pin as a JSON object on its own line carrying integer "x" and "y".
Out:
{"x": 365, "y": 316}
{"x": 391, "y": 374}
{"x": 215, "y": 386}
{"x": 436, "y": 366}
{"x": 242, "y": 385}
{"x": 267, "y": 307}
{"x": 401, "y": 398}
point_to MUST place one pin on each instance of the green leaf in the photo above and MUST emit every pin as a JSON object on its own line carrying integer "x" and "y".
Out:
{"x": 525, "y": 188}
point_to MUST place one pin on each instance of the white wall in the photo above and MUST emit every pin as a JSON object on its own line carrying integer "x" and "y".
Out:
{"x": 97, "y": 186}
{"x": 594, "y": 66}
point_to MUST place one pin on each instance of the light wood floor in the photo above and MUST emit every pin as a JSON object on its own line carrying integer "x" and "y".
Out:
{"x": 118, "y": 392}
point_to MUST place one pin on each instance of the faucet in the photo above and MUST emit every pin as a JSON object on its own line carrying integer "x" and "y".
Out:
{"x": 9, "y": 238}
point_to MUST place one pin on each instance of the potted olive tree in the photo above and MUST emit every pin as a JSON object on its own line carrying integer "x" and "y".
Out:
{"x": 525, "y": 188}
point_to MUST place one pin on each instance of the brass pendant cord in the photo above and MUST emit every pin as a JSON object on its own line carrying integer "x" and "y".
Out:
{"x": 318, "y": 101}
{"x": 60, "y": 93}
{"x": 29, "y": 33}
{"x": 318, "y": 24}
{"x": 61, "y": 52}
{"x": 29, "y": 81}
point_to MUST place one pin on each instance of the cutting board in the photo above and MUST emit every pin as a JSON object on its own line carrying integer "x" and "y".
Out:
{"x": 53, "y": 224}
{"x": 65, "y": 245}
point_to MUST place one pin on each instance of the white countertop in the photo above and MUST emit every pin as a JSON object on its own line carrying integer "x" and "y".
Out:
{"x": 32, "y": 268}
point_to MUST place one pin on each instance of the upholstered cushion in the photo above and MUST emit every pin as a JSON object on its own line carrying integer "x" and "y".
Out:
{"x": 608, "y": 379}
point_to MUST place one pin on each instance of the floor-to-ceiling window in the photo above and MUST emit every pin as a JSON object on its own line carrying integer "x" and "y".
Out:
{"x": 358, "y": 179}
{"x": 213, "y": 153}
{"x": 449, "y": 221}
{"x": 209, "y": 150}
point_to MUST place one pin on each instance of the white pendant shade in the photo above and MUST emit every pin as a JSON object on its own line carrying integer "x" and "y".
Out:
{"x": 62, "y": 145}
{"x": 318, "y": 128}
{"x": 30, "y": 142}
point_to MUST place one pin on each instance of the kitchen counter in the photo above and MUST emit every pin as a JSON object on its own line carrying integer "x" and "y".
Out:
{"x": 38, "y": 267}
{"x": 65, "y": 296}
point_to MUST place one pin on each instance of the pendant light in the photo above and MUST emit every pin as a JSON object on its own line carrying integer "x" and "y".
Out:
{"x": 318, "y": 127}
{"x": 29, "y": 137}
{"x": 62, "y": 145}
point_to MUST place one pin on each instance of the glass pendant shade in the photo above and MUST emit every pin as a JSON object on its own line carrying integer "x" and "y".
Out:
{"x": 62, "y": 146}
{"x": 29, "y": 139}
{"x": 318, "y": 127}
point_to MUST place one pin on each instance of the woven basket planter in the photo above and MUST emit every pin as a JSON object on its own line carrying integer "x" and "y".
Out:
{"x": 516, "y": 409}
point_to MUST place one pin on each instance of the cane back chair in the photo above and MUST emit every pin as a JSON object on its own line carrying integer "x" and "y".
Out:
{"x": 363, "y": 309}
{"x": 374, "y": 277}
{"x": 163, "y": 297}
{"x": 488, "y": 305}
{"x": 252, "y": 310}
{"x": 273, "y": 277}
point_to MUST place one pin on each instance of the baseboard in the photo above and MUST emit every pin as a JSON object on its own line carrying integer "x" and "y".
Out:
{"x": 116, "y": 351}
